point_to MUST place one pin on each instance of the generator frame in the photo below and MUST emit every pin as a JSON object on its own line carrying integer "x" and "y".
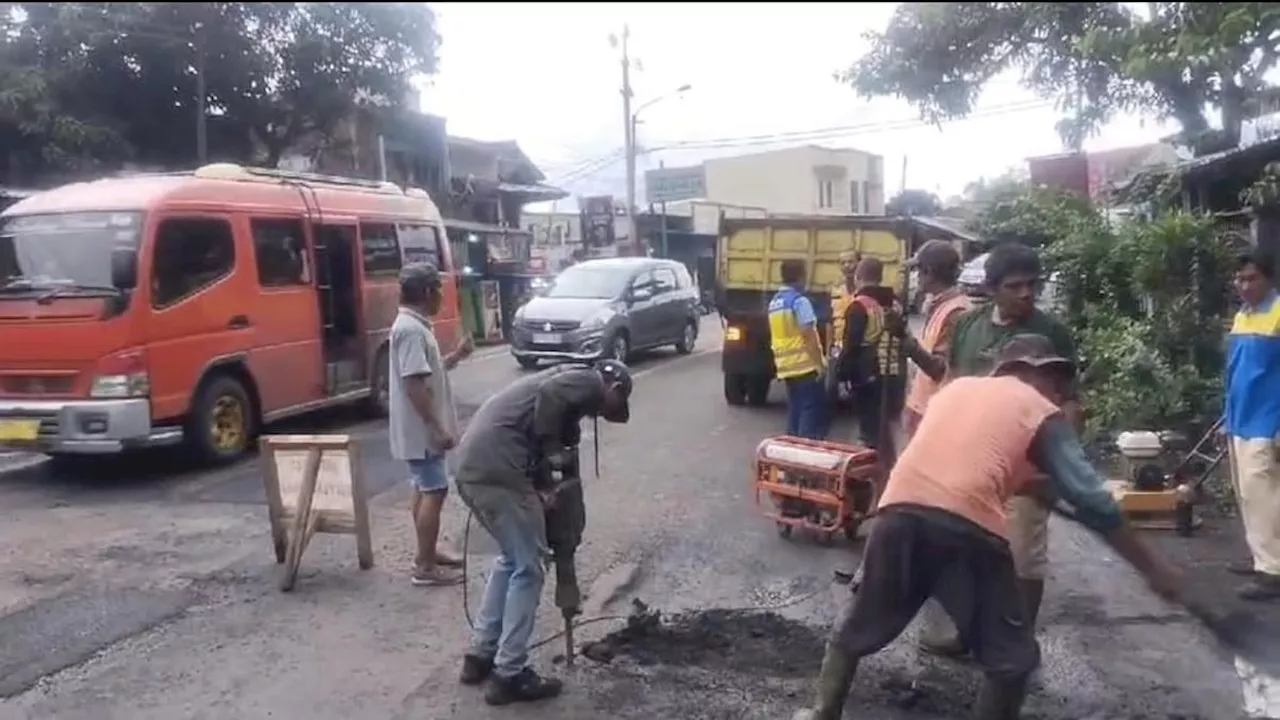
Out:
{"x": 837, "y": 486}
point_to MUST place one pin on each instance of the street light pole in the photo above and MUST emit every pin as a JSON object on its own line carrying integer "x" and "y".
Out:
{"x": 202, "y": 99}
{"x": 629, "y": 138}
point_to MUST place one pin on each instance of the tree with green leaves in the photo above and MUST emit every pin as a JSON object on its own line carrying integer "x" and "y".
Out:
{"x": 95, "y": 83}
{"x": 912, "y": 203}
{"x": 1093, "y": 59}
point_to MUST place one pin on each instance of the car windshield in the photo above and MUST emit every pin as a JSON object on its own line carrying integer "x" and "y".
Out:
{"x": 64, "y": 250}
{"x": 584, "y": 281}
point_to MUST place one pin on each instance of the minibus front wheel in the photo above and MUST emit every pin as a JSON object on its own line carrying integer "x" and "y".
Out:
{"x": 222, "y": 420}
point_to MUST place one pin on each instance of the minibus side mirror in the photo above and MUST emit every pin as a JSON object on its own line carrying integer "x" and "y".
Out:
{"x": 124, "y": 268}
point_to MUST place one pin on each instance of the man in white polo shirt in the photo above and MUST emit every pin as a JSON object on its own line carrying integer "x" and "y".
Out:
{"x": 423, "y": 419}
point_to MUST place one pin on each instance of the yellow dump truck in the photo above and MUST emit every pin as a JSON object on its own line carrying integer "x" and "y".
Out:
{"x": 750, "y": 256}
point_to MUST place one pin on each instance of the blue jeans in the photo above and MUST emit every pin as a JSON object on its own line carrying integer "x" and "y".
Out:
{"x": 430, "y": 474}
{"x": 504, "y": 626}
{"x": 807, "y": 413}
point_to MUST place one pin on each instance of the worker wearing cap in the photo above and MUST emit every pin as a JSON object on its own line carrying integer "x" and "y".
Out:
{"x": 937, "y": 265}
{"x": 423, "y": 423}
{"x": 943, "y": 531}
{"x": 1013, "y": 277}
{"x": 514, "y": 438}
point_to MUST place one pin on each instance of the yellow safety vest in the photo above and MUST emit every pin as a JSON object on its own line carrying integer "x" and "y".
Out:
{"x": 786, "y": 338}
{"x": 841, "y": 300}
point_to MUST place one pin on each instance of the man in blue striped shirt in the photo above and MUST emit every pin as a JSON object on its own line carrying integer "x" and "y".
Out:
{"x": 1253, "y": 421}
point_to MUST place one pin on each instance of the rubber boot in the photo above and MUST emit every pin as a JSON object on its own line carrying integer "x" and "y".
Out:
{"x": 1032, "y": 595}
{"x": 834, "y": 681}
{"x": 1000, "y": 699}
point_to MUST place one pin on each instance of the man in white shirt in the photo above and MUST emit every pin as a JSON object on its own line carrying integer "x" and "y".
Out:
{"x": 423, "y": 419}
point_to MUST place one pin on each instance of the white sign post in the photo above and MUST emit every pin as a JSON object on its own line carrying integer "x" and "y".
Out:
{"x": 314, "y": 484}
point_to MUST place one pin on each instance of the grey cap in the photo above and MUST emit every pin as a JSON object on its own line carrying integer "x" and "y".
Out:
{"x": 935, "y": 253}
{"x": 1029, "y": 349}
{"x": 419, "y": 274}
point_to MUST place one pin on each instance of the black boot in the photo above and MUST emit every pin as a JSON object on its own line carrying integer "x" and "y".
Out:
{"x": 527, "y": 686}
{"x": 1032, "y": 595}
{"x": 475, "y": 669}
{"x": 834, "y": 681}
{"x": 1000, "y": 699}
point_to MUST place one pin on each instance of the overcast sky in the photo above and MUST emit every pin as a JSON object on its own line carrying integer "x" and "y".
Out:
{"x": 545, "y": 75}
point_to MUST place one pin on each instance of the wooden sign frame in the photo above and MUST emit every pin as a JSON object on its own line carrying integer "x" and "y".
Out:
{"x": 294, "y": 521}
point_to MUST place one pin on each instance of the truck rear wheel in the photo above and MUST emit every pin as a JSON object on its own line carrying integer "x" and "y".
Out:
{"x": 735, "y": 389}
{"x": 758, "y": 391}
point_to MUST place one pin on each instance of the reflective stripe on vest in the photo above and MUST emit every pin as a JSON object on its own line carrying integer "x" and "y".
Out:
{"x": 887, "y": 346}
{"x": 786, "y": 338}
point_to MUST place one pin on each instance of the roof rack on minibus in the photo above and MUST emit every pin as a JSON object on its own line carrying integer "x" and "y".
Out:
{"x": 232, "y": 171}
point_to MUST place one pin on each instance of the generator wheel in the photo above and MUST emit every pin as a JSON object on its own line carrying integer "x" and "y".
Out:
{"x": 784, "y": 531}
{"x": 825, "y": 539}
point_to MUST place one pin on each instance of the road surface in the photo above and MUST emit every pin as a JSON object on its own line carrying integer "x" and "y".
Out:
{"x": 148, "y": 592}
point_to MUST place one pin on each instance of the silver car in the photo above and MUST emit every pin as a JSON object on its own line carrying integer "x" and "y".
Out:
{"x": 608, "y": 308}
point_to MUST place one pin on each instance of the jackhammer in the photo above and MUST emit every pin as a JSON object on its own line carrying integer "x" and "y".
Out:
{"x": 560, "y": 483}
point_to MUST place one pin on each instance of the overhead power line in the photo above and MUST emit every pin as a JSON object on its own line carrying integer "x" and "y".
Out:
{"x": 595, "y": 166}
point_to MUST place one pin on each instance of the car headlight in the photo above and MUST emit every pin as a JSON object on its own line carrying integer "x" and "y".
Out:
{"x": 597, "y": 321}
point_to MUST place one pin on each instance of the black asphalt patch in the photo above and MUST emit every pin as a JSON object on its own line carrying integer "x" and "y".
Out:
{"x": 67, "y": 630}
{"x": 734, "y": 664}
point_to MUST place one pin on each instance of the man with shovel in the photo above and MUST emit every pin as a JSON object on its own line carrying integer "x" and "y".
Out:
{"x": 943, "y": 528}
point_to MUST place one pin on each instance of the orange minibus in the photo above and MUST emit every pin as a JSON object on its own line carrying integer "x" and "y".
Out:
{"x": 197, "y": 307}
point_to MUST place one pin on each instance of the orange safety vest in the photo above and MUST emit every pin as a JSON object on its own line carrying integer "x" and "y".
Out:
{"x": 940, "y": 314}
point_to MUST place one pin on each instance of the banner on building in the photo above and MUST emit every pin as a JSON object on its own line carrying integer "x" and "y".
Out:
{"x": 675, "y": 184}
{"x": 597, "y": 222}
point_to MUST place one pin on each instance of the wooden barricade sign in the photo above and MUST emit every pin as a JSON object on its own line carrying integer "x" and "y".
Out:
{"x": 314, "y": 484}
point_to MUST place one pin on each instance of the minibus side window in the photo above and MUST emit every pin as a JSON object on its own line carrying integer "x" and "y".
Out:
{"x": 380, "y": 249}
{"x": 190, "y": 254}
{"x": 420, "y": 243}
{"x": 281, "y": 252}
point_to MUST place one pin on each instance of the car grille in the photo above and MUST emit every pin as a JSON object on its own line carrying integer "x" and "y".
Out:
{"x": 555, "y": 325}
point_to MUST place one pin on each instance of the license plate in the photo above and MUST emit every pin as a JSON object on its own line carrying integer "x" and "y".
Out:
{"x": 19, "y": 429}
{"x": 547, "y": 338}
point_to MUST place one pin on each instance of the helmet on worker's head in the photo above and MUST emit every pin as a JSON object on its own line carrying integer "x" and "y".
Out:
{"x": 617, "y": 381}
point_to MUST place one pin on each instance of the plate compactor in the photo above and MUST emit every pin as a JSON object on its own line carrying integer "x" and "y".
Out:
{"x": 819, "y": 486}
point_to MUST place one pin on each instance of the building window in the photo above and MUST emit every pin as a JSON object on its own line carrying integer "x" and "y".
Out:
{"x": 826, "y": 194}
{"x": 855, "y": 194}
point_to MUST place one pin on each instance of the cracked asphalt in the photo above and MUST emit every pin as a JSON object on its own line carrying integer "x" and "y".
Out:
{"x": 147, "y": 590}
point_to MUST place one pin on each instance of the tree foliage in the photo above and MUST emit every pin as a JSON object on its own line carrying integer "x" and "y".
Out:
{"x": 1093, "y": 58}
{"x": 85, "y": 83}
{"x": 1146, "y": 302}
{"x": 910, "y": 203}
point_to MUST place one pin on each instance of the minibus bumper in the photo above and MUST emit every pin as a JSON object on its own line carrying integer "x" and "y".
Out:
{"x": 80, "y": 427}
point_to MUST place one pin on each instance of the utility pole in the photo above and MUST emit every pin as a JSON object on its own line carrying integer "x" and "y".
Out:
{"x": 202, "y": 99}
{"x": 629, "y": 137}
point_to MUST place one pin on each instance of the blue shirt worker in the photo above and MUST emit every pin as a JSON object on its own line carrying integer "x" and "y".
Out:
{"x": 1253, "y": 422}
{"x": 797, "y": 354}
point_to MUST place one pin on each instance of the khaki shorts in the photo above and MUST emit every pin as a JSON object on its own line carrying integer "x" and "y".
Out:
{"x": 1029, "y": 537}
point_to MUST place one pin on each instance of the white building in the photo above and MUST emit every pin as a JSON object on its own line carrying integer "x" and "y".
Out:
{"x": 807, "y": 179}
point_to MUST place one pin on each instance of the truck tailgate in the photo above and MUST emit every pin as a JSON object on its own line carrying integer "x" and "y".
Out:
{"x": 752, "y": 250}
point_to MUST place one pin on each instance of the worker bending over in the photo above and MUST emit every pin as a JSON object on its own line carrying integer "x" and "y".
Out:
{"x": 861, "y": 356}
{"x": 943, "y": 531}
{"x": 797, "y": 354}
{"x": 515, "y": 437}
{"x": 1013, "y": 274}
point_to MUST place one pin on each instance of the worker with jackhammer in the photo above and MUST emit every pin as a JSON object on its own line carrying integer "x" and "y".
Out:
{"x": 518, "y": 473}
{"x": 943, "y": 530}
